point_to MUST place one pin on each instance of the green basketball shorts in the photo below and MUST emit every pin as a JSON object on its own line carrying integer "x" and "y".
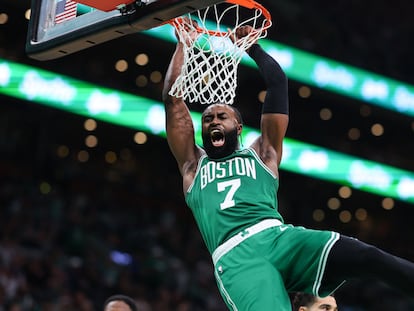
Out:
{"x": 256, "y": 268}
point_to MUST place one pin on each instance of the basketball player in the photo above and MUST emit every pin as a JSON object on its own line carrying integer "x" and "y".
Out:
{"x": 232, "y": 193}
{"x": 308, "y": 302}
{"x": 120, "y": 303}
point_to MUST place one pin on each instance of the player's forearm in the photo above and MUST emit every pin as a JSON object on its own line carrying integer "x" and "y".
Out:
{"x": 276, "y": 100}
{"x": 173, "y": 71}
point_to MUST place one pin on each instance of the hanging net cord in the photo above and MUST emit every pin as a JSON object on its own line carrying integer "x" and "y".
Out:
{"x": 211, "y": 54}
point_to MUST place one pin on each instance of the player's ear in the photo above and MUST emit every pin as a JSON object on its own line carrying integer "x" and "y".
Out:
{"x": 302, "y": 309}
{"x": 239, "y": 128}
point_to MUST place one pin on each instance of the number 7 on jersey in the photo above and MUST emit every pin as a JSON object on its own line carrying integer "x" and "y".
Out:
{"x": 233, "y": 184}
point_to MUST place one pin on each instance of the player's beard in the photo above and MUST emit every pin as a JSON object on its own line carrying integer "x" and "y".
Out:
{"x": 230, "y": 145}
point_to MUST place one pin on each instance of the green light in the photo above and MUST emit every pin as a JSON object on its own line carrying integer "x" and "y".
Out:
{"x": 329, "y": 75}
{"x": 75, "y": 96}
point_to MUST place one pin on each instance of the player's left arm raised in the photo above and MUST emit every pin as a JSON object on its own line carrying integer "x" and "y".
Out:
{"x": 275, "y": 111}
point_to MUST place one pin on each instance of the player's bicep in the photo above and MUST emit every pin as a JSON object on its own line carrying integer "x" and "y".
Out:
{"x": 273, "y": 128}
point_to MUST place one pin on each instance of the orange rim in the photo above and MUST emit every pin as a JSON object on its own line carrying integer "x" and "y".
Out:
{"x": 249, "y": 4}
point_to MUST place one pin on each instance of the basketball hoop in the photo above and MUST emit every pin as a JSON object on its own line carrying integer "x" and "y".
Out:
{"x": 212, "y": 52}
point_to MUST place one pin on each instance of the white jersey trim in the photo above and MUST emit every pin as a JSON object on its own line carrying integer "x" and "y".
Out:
{"x": 243, "y": 235}
{"x": 261, "y": 162}
{"x": 196, "y": 173}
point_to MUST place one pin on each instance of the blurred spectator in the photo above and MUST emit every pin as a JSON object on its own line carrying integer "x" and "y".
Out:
{"x": 120, "y": 303}
{"x": 309, "y": 302}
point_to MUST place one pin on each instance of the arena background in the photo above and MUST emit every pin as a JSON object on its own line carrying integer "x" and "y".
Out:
{"x": 80, "y": 222}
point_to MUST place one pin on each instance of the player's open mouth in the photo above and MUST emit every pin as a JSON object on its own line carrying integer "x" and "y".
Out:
{"x": 217, "y": 138}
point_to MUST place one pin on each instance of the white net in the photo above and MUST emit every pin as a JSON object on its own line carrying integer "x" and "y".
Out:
{"x": 212, "y": 51}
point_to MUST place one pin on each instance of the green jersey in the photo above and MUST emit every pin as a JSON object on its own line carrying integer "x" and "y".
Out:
{"x": 231, "y": 194}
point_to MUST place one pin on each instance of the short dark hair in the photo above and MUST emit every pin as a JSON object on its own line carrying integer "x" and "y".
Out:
{"x": 128, "y": 300}
{"x": 303, "y": 300}
{"x": 236, "y": 111}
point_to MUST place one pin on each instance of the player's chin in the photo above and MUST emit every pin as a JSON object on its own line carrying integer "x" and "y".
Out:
{"x": 218, "y": 152}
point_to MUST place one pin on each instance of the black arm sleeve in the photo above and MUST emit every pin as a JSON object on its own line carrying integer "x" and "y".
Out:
{"x": 276, "y": 100}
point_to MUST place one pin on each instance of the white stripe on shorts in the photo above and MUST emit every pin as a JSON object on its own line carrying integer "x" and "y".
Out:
{"x": 243, "y": 235}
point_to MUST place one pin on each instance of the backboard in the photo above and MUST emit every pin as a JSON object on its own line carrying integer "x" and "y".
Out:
{"x": 61, "y": 27}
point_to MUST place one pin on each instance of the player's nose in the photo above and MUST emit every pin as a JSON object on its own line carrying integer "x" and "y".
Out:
{"x": 216, "y": 121}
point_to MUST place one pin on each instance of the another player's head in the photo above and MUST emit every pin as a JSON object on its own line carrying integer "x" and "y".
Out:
{"x": 120, "y": 303}
{"x": 221, "y": 127}
{"x": 308, "y": 302}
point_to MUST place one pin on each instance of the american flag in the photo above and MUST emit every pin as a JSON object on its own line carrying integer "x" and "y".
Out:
{"x": 65, "y": 10}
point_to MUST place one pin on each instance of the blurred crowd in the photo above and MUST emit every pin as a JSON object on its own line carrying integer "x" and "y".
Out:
{"x": 69, "y": 249}
{"x": 73, "y": 233}
{"x": 365, "y": 34}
